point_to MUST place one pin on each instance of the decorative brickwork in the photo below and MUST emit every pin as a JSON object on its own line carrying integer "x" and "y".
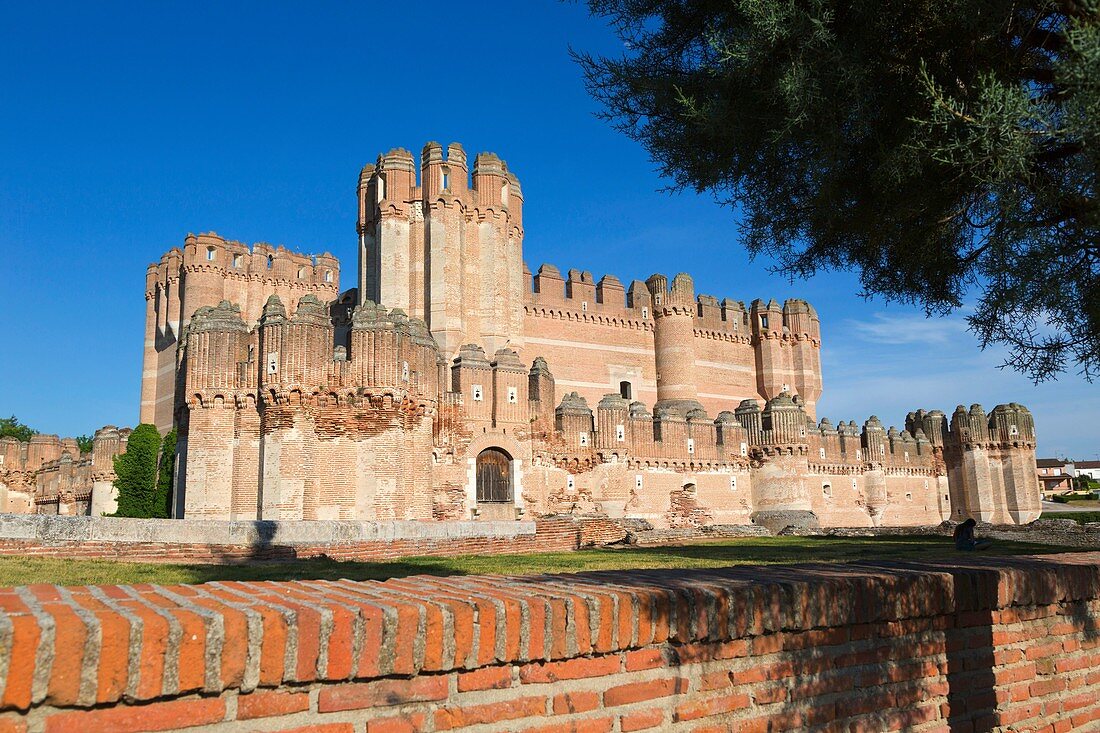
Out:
{"x": 980, "y": 645}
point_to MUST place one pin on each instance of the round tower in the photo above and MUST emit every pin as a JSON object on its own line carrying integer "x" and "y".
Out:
{"x": 674, "y": 342}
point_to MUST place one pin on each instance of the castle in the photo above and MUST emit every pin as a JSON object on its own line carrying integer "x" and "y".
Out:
{"x": 452, "y": 383}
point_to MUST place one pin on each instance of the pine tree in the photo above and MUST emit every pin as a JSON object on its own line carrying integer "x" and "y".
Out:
{"x": 136, "y": 473}
{"x": 941, "y": 148}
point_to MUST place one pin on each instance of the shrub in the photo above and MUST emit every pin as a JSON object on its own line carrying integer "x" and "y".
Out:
{"x": 1060, "y": 499}
{"x": 136, "y": 473}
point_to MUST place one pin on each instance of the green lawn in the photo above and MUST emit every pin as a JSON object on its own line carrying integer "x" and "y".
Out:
{"x": 1079, "y": 517}
{"x": 740, "y": 551}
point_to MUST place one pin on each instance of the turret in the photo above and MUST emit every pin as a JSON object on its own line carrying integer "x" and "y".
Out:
{"x": 612, "y": 425}
{"x": 573, "y": 420}
{"x": 510, "y": 381}
{"x": 804, "y": 331}
{"x": 674, "y": 342}
{"x": 471, "y": 376}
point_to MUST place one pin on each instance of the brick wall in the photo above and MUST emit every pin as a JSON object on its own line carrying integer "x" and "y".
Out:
{"x": 993, "y": 643}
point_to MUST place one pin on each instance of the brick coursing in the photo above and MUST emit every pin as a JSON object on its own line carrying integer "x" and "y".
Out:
{"x": 983, "y": 644}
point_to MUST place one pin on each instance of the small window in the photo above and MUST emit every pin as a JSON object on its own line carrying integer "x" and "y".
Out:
{"x": 625, "y": 391}
{"x": 237, "y": 260}
{"x": 637, "y": 481}
{"x": 882, "y": 449}
{"x": 405, "y": 371}
{"x": 273, "y": 362}
{"x": 210, "y": 254}
{"x": 513, "y": 396}
{"x": 691, "y": 446}
{"x": 827, "y": 490}
{"x": 821, "y": 452}
{"x": 645, "y": 312}
{"x": 584, "y": 440}
{"x": 763, "y": 321}
{"x": 446, "y": 180}
{"x": 908, "y": 496}
{"x": 859, "y": 454}
{"x": 802, "y": 432}
{"x": 584, "y": 306}
{"x": 946, "y": 498}
{"x": 620, "y": 433}
{"x": 906, "y": 456}
{"x": 301, "y": 273}
{"x": 855, "y": 485}
{"x": 744, "y": 449}
{"x": 477, "y": 393}
{"x": 786, "y": 388}
{"x": 328, "y": 276}
{"x": 733, "y": 483}
{"x": 569, "y": 483}
{"x": 1013, "y": 430}
{"x": 270, "y": 262}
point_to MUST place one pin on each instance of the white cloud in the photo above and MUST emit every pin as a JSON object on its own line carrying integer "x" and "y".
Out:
{"x": 896, "y": 329}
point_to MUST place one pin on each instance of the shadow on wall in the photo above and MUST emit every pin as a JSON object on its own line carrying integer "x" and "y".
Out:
{"x": 887, "y": 646}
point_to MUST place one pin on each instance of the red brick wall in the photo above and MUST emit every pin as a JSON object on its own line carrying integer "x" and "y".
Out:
{"x": 973, "y": 646}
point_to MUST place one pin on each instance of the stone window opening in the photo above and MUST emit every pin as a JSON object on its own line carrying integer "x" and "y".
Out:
{"x": 477, "y": 393}
{"x": 906, "y": 456}
{"x": 638, "y": 481}
{"x": 744, "y": 449}
{"x": 855, "y": 485}
{"x": 821, "y": 452}
{"x": 946, "y": 498}
{"x": 446, "y": 180}
{"x": 584, "y": 440}
{"x": 689, "y": 489}
{"x": 1013, "y": 430}
{"x": 645, "y": 312}
{"x": 733, "y": 483}
{"x": 328, "y": 276}
{"x": 908, "y": 496}
{"x": 513, "y": 397}
{"x": 625, "y": 391}
{"x": 504, "y": 194}
{"x": 270, "y": 262}
{"x": 827, "y": 490}
{"x": 859, "y": 454}
{"x": 763, "y": 322}
{"x": 691, "y": 446}
{"x": 210, "y": 254}
{"x": 494, "y": 476}
{"x": 570, "y": 483}
{"x": 620, "y": 433}
{"x": 584, "y": 306}
{"x": 405, "y": 371}
{"x": 236, "y": 261}
{"x": 301, "y": 273}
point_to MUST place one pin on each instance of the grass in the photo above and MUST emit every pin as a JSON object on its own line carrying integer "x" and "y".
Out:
{"x": 739, "y": 551}
{"x": 1079, "y": 517}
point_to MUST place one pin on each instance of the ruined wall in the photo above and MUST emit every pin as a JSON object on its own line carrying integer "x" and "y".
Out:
{"x": 49, "y": 475}
{"x": 972, "y": 645}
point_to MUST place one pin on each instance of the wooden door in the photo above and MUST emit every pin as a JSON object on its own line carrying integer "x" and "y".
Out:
{"x": 494, "y": 476}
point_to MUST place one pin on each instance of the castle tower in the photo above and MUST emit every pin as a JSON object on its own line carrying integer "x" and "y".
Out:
{"x": 773, "y": 373}
{"x": 674, "y": 342}
{"x": 445, "y": 251}
{"x": 804, "y": 329}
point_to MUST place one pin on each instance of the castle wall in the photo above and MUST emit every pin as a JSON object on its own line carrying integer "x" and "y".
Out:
{"x": 206, "y": 271}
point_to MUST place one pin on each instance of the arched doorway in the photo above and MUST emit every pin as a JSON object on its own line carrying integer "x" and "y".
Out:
{"x": 494, "y": 477}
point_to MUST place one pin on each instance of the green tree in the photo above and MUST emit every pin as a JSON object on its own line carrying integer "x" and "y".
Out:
{"x": 162, "y": 501}
{"x": 136, "y": 473}
{"x": 84, "y": 443}
{"x": 942, "y": 149}
{"x": 10, "y": 427}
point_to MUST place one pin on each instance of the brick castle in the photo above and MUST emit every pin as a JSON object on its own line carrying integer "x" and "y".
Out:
{"x": 452, "y": 383}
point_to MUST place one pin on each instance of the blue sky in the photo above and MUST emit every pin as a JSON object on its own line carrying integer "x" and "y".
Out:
{"x": 126, "y": 126}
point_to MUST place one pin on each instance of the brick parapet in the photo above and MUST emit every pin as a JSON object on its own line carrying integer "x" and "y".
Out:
{"x": 980, "y": 645}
